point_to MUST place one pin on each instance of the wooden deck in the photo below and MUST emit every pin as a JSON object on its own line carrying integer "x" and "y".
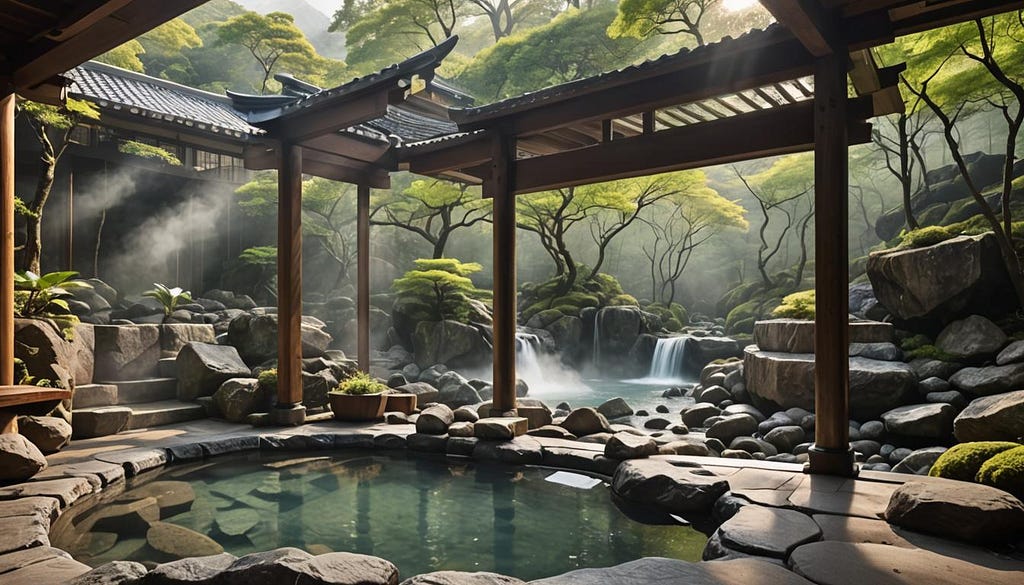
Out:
{"x": 19, "y": 400}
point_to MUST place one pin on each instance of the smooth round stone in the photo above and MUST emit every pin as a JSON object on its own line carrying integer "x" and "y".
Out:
{"x": 776, "y": 420}
{"x": 899, "y": 454}
{"x": 785, "y": 438}
{"x": 656, "y": 424}
{"x": 932, "y": 384}
{"x": 736, "y": 454}
{"x": 461, "y": 429}
{"x": 715, "y": 395}
{"x": 683, "y": 448}
{"x": 802, "y": 448}
{"x": 661, "y": 408}
{"x": 867, "y": 448}
{"x": 622, "y": 446}
{"x": 886, "y": 450}
{"x": 714, "y": 444}
{"x": 784, "y": 458}
{"x": 698, "y": 414}
{"x": 872, "y": 430}
{"x": 752, "y": 445}
{"x": 807, "y": 423}
{"x": 877, "y": 467}
{"x": 642, "y": 413}
{"x": 746, "y": 409}
{"x": 876, "y": 459}
{"x": 678, "y": 429}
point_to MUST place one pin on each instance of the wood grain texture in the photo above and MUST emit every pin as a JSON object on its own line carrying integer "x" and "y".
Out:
{"x": 504, "y": 242}
{"x": 7, "y": 240}
{"x": 363, "y": 261}
{"x": 289, "y": 277}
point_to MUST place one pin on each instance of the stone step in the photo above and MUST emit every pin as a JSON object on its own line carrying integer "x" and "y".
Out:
{"x": 164, "y": 412}
{"x": 99, "y": 421}
{"x": 169, "y": 367}
{"x": 92, "y": 395}
{"x": 151, "y": 390}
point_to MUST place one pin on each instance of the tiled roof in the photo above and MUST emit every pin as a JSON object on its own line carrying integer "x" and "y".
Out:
{"x": 412, "y": 127}
{"x": 152, "y": 98}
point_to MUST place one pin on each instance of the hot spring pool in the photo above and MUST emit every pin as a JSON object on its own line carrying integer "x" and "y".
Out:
{"x": 423, "y": 514}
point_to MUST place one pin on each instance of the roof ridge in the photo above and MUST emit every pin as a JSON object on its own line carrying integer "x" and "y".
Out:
{"x": 164, "y": 83}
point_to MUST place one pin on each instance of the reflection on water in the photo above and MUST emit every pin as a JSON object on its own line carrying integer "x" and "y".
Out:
{"x": 422, "y": 514}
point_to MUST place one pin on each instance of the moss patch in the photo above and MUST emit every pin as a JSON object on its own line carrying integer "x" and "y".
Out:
{"x": 799, "y": 305}
{"x": 1004, "y": 471}
{"x": 962, "y": 462}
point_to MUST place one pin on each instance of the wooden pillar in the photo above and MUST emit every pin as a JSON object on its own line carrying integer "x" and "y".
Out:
{"x": 504, "y": 242}
{"x": 831, "y": 452}
{"x": 363, "y": 293}
{"x": 7, "y": 239}
{"x": 289, "y": 288}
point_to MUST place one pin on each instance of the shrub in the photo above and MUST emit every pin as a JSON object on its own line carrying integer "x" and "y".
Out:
{"x": 623, "y": 300}
{"x": 267, "y": 380}
{"x": 46, "y": 297}
{"x": 170, "y": 298}
{"x": 672, "y": 324}
{"x": 926, "y": 236}
{"x": 799, "y": 305}
{"x": 360, "y": 384}
{"x": 962, "y": 462}
{"x": 438, "y": 289}
{"x": 1004, "y": 471}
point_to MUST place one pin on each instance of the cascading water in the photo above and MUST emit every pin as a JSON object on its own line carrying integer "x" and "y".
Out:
{"x": 527, "y": 357}
{"x": 667, "y": 363}
{"x": 595, "y": 356}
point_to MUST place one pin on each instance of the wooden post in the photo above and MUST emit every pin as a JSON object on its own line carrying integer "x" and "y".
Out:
{"x": 289, "y": 288}
{"x": 7, "y": 240}
{"x": 504, "y": 242}
{"x": 831, "y": 452}
{"x": 649, "y": 122}
{"x": 363, "y": 252}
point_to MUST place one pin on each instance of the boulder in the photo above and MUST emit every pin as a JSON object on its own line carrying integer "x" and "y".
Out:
{"x": 255, "y": 335}
{"x": 456, "y": 395}
{"x": 49, "y": 433}
{"x": 48, "y": 356}
{"x": 700, "y": 351}
{"x": 971, "y": 340}
{"x": 435, "y": 420}
{"x": 425, "y": 393}
{"x": 237, "y": 398}
{"x": 127, "y": 352}
{"x": 190, "y": 570}
{"x": 586, "y": 421}
{"x": 989, "y": 380}
{"x": 175, "y": 542}
{"x": 203, "y": 367}
{"x": 615, "y": 408}
{"x": 919, "y": 462}
{"x": 797, "y": 335}
{"x": 943, "y": 282}
{"x": 732, "y": 426}
{"x": 957, "y": 510}
{"x": 567, "y": 332}
{"x": 786, "y": 438}
{"x": 460, "y": 578}
{"x": 19, "y": 458}
{"x": 992, "y": 418}
{"x": 1011, "y": 354}
{"x": 316, "y": 386}
{"x": 695, "y": 416}
{"x": 629, "y": 446}
{"x": 174, "y": 336}
{"x": 500, "y": 428}
{"x": 617, "y": 330}
{"x": 677, "y": 490}
{"x": 113, "y": 573}
{"x": 926, "y": 421}
{"x": 787, "y": 380}
{"x": 449, "y": 342}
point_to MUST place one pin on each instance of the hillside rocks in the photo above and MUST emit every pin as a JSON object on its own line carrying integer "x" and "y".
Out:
{"x": 203, "y": 367}
{"x": 47, "y": 355}
{"x": 451, "y": 343}
{"x": 992, "y": 418}
{"x": 989, "y": 380}
{"x": 928, "y": 421}
{"x": 971, "y": 340}
{"x": 19, "y": 458}
{"x": 943, "y": 282}
{"x": 127, "y": 352}
{"x": 797, "y": 335}
{"x": 254, "y": 334}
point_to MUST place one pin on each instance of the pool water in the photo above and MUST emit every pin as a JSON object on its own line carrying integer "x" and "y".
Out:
{"x": 644, "y": 393}
{"x": 423, "y": 514}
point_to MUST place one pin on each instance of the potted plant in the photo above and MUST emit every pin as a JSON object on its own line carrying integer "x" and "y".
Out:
{"x": 359, "y": 398}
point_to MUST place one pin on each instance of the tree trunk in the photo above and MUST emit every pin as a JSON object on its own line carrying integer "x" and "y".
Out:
{"x": 33, "y": 223}
{"x": 905, "y": 178}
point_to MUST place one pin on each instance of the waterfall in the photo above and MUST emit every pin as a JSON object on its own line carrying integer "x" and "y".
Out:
{"x": 595, "y": 356}
{"x": 527, "y": 357}
{"x": 667, "y": 363}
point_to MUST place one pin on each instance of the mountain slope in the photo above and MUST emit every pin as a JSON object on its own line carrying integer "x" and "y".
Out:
{"x": 311, "y": 20}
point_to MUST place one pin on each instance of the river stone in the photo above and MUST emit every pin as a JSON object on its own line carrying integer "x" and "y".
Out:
{"x": 683, "y": 448}
{"x": 732, "y": 426}
{"x": 615, "y": 408}
{"x": 435, "y": 420}
{"x": 132, "y": 518}
{"x": 992, "y": 418}
{"x": 20, "y": 459}
{"x": 553, "y": 432}
{"x": 989, "y": 380}
{"x": 237, "y": 398}
{"x": 449, "y": 342}
{"x": 193, "y": 570}
{"x": 752, "y": 445}
{"x": 500, "y": 428}
{"x": 656, "y": 423}
{"x": 786, "y": 438}
{"x": 957, "y": 510}
{"x": 715, "y": 395}
{"x": 928, "y": 421}
{"x": 700, "y": 412}
{"x": 255, "y": 336}
{"x": 848, "y": 563}
{"x": 178, "y": 542}
{"x": 677, "y": 490}
{"x": 462, "y": 394}
{"x": 1011, "y": 354}
{"x": 629, "y": 446}
{"x": 919, "y": 462}
{"x": 657, "y": 570}
{"x": 767, "y": 532}
{"x": 466, "y": 414}
{"x": 425, "y": 393}
{"x": 586, "y": 421}
{"x": 203, "y": 367}
{"x": 928, "y": 368}
{"x": 236, "y": 522}
{"x": 461, "y": 429}
{"x": 797, "y": 335}
{"x": 460, "y": 578}
{"x": 113, "y": 573}
{"x": 951, "y": 397}
{"x": 886, "y": 351}
{"x": 49, "y": 433}
{"x": 972, "y": 339}
{"x": 787, "y": 380}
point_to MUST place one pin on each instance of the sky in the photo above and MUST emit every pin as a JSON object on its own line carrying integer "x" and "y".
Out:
{"x": 326, "y": 6}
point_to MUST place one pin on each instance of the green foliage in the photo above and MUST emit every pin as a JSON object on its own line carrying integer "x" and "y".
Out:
{"x": 600, "y": 291}
{"x": 915, "y": 342}
{"x": 928, "y": 352}
{"x": 925, "y": 236}
{"x": 21, "y": 209}
{"x": 1004, "y": 471}
{"x": 62, "y": 118}
{"x": 623, "y": 300}
{"x": 267, "y": 380}
{"x": 438, "y": 289}
{"x": 380, "y": 33}
{"x": 259, "y": 256}
{"x": 742, "y": 317}
{"x": 798, "y": 305}
{"x": 148, "y": 151}
{"x": 45, "y": 295}
{"x": 977, "y": 225}
{"x": 125, "y": 56}
{"x": 170, "y": 298}
{"x": 643, "y": 18}
{"x": 360, "y": 384}
{"x": 962, "y": 462}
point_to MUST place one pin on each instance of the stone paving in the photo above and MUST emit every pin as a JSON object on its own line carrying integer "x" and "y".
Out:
{"x": 775, "y": 524}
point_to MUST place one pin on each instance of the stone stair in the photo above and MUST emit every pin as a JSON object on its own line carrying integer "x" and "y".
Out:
{"x": 107, "y": 408}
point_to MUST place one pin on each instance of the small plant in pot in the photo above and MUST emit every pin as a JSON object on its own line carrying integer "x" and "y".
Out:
{"x": 359, "y": 398}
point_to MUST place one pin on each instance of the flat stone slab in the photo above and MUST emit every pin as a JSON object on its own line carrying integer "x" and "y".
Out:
{"x": 657, "y": 570}
{"x": 23, "y": 558}
{"x": 43, "y": 507}
{"x": 54, "y": 570}
{"x": 500, "y": 428}
{"x": 66, "y": 490}
{"x": 675, "y": 489}
{"x": 21, "y": 532}
{"x": 845, "y": 563}
{"x": 460, "y": 578}
{"x": 797, "y": 335}
{"x": 767, "y": 531}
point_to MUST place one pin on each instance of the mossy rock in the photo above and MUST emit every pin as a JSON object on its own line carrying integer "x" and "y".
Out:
{"x": 745, "y": 314}
{"x": 577, "y": 299}
{"x": 962, "y": 462}
{"x": 799, "y": 305}
{"x": 568, "y": 310}
{"x": 1004, "y": 471}
{"x": 929, "y": 352}
{"x": 926, "y": 236}
{"x": 915, "y": 342}
{"x": 623, "y": 300}
{"x": 672, "y": 324}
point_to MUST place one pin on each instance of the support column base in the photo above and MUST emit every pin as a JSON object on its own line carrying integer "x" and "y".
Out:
{"x": 496, "y": 413}
{"x": 288, "y": 415}
{"x": 823, "y": 461}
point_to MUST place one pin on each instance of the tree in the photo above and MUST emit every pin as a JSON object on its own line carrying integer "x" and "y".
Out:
{"x": 643, "y": 18}
{"x": 679, "y": 225}
{"x": 380, "y": 33}
{"x": 438, "y": 290}
{"x": 125, "y": 56}
{"x": 52, "y": 127}
{"x": 956, "y": 70}
{"x": 779, "y": 191}
{"x": 607, "y": 209}
{"x": 433, "y": 210}
{"x": 165, "y": 50}
{"x": 273, "y": 41}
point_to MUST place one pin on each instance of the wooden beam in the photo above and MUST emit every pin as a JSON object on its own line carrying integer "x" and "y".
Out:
{"x": 607, "y": 130}
{"x": 462, "y": 152}
{"x": 502, "y": 188}
{"x": 363, "y": 261}
{"x": 650, "y": 122}
{"x": 289, "y": 279}
{"x": 7, "y": 239}
{"x": 808, "y": 21}
{"x": 719, "y": 74}
{"x": 348, "y": 146}
{"x": 781, "y": 130}
{"x": 111, "y": 31}
{"x": 831, "y": 453}
{"x": 326, "y": 116}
